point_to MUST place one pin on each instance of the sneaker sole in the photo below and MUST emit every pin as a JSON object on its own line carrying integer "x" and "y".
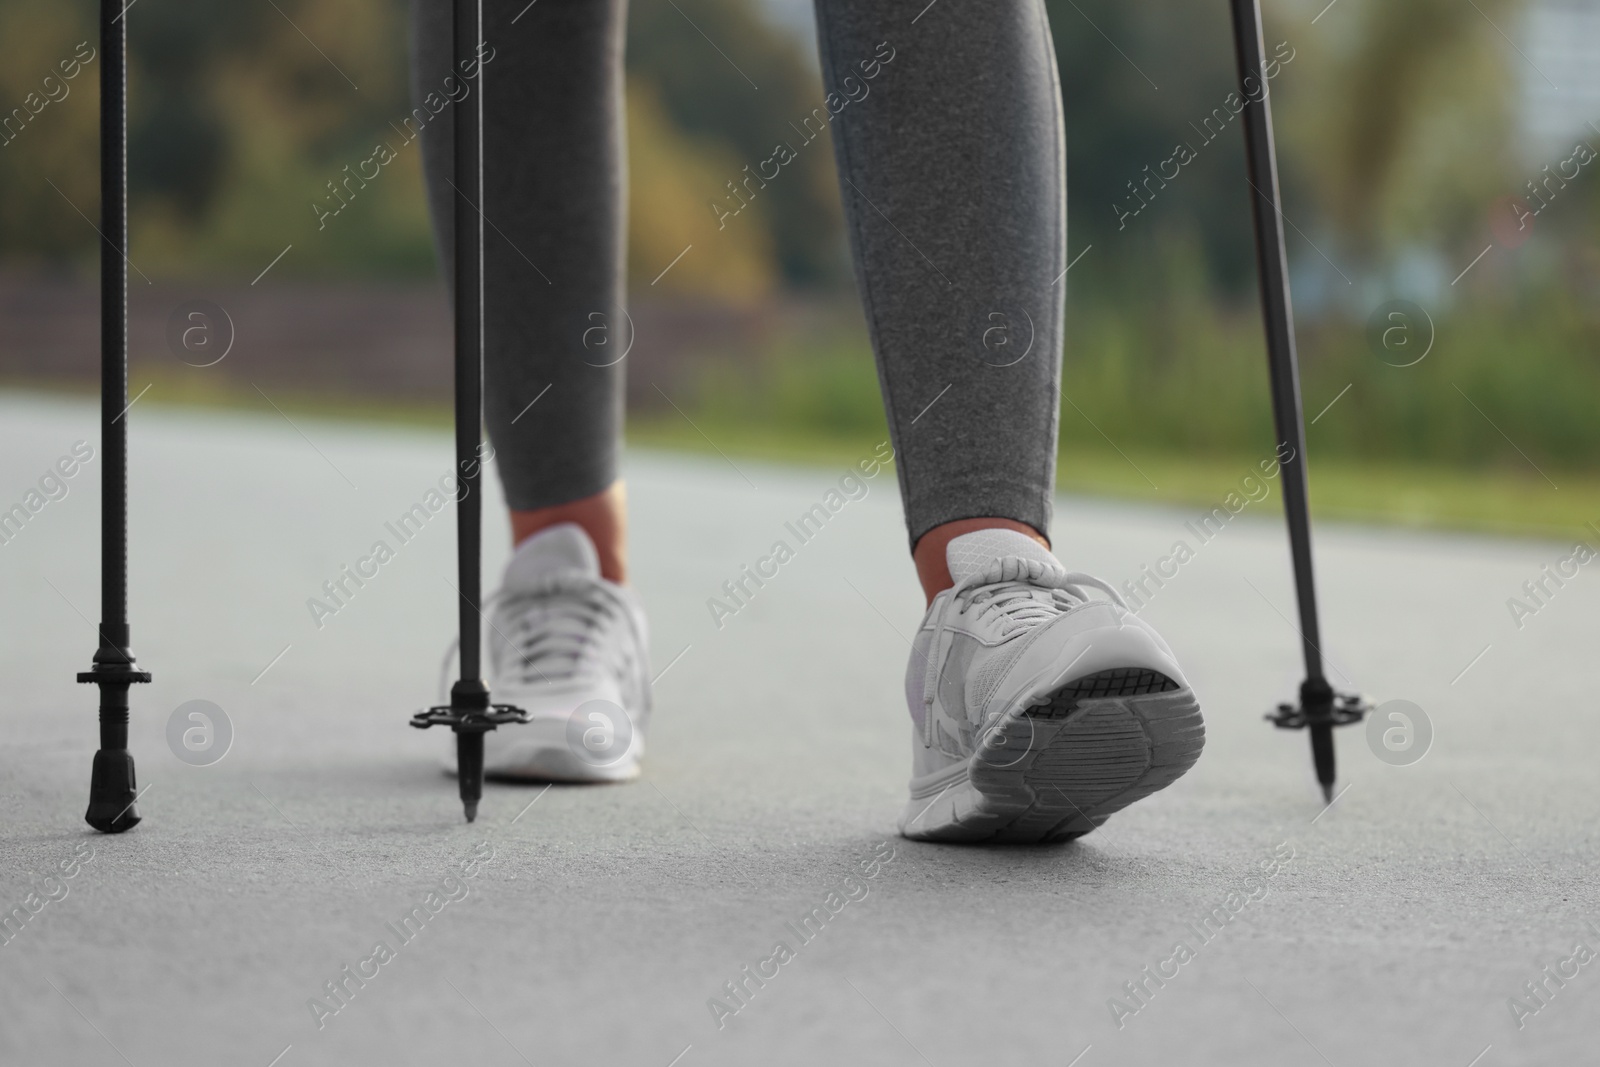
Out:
{"x": 1058, "y": 768}
{"x": 539, "y": 752}
{"x": 552, "y": 766}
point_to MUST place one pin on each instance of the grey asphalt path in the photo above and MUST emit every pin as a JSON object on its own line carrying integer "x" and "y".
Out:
{"x": 1394, "y": 927}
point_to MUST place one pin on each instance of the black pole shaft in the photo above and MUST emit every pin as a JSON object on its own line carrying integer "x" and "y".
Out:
{"x": 467, "y": 32}
{"x": 112, "y": 794}
{"x": 1278, "y": 319}
{"x": 469, "y": 713}
{"x": 469, "y": 698}
{"x": 113, "y": 325}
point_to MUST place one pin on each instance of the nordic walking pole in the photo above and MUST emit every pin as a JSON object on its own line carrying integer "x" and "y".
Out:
{"x": 1320, "y": 710}
{"x": 469, "y": 712}
{"x": 112, "y": 789}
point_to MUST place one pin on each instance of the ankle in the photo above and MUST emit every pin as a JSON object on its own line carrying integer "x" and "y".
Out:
{"x": 933, "y": 570}
{"x": 602, "y": 516}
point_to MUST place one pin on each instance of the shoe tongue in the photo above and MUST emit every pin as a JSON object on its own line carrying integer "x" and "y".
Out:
{"x": 977, "y": 552}
{"x": 564, "y": 547}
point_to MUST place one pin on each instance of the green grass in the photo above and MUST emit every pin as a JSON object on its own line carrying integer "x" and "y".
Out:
{"x": 1476, "y": 436}
{"x": 1500, "y": 500}
{"x": 1186, "y": 407}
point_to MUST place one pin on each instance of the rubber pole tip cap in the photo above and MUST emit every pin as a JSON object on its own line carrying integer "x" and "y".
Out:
{"x": 112, "y": 795}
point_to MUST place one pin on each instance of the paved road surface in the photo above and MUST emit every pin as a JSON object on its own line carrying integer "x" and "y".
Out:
{"x": 1394, "y": 928}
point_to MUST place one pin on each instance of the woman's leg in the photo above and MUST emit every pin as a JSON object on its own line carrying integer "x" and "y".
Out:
{"x": 555, "y": 226}
{"x": 952, "y": 167}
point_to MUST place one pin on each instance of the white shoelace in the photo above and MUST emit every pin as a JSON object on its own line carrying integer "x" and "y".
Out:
{"x": 1009, "y": 588}
{"x": 560, "y": 638}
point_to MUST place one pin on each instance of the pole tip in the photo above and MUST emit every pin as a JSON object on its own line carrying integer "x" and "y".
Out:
{"x": 471, "y": 810}
{"x": 1327, "y": 792}
{"x": 112, "y": 793}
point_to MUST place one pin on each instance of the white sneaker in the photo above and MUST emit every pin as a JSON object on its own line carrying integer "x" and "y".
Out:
{"x": 1037, "y": 711}
{"x": 568, "y": 647}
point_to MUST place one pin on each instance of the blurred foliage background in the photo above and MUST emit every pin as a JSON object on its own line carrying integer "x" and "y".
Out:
{"x": 1408, "y": 137}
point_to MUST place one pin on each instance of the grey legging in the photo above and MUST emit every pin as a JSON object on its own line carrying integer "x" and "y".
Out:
{"x": 953, "y": 175}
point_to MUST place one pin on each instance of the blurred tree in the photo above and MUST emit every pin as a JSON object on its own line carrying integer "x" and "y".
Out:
{"x": 1392, "y": 101}
{"x": 303, "y": 91}
{"x": 239, "y": 122}
{"x": 241, "y": 114}
{"x": 1136, "y": 81}
{"x": 55, "y": 144}
{"x": 675, "y": 45}
{"x": 669, "y": 172}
